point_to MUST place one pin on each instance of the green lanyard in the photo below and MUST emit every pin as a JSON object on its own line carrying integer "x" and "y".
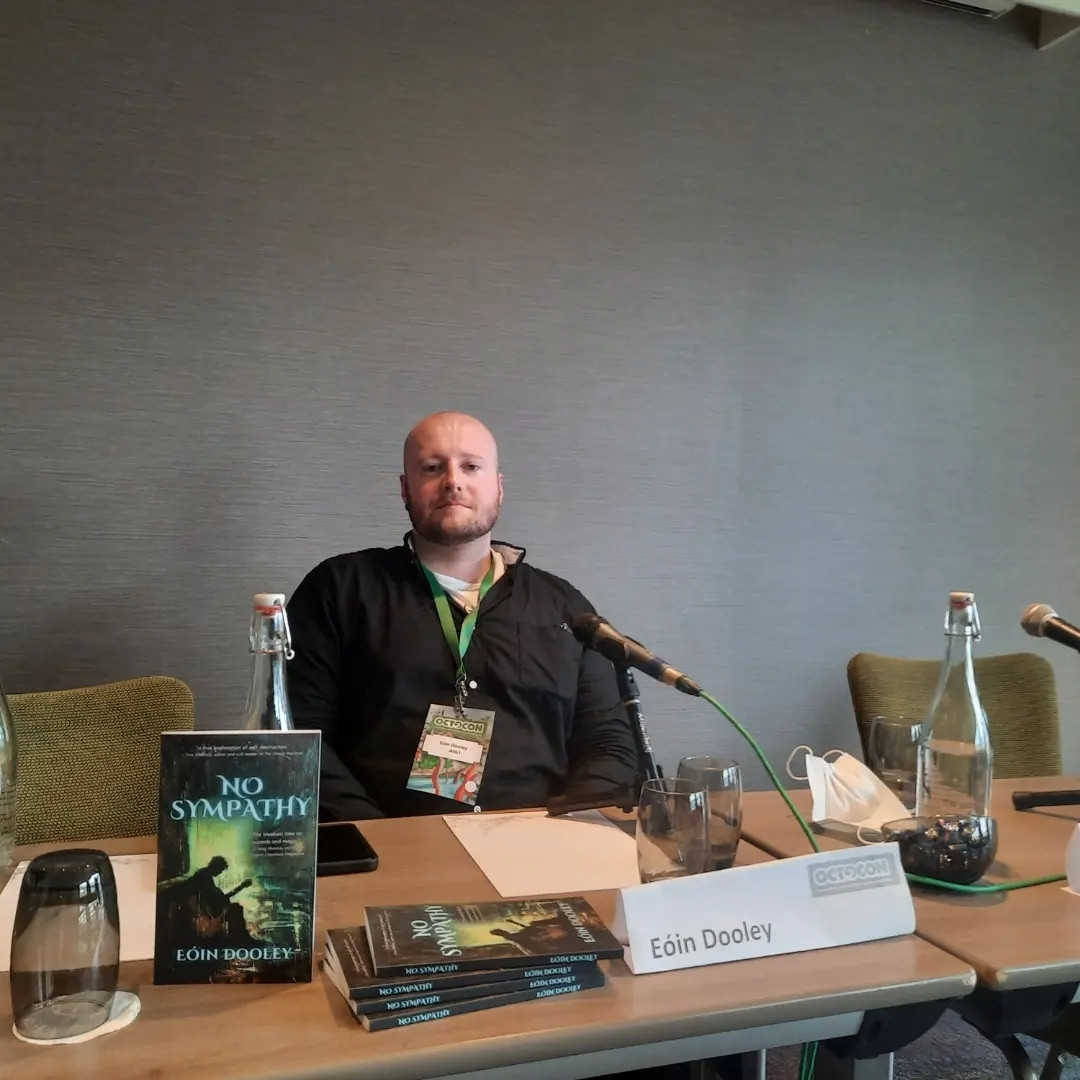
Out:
{"x": 458, "y": 646}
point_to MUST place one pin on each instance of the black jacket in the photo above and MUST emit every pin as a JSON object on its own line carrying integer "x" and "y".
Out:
{"x": 371, "y": 657}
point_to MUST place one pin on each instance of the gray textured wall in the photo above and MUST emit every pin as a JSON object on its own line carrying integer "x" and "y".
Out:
{"x": 772, "y": 305}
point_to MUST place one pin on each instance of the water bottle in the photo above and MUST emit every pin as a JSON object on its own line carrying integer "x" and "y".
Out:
{"x": 271, "y": 645}
{"x": 955, "y": 757}
{"x": 956, "y": 835}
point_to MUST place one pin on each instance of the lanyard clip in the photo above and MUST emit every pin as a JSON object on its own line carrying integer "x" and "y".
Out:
{"x": 461, "y": 692}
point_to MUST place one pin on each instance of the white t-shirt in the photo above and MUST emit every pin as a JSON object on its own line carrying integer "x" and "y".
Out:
{"x": 466, "y": 593}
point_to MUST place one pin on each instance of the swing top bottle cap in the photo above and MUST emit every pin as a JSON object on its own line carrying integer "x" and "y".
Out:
{"x": 962, "y": 616}
{"x": 268, "y": 602}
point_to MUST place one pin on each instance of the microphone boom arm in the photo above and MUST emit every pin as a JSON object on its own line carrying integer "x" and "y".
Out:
{"x": 631, "y": 701}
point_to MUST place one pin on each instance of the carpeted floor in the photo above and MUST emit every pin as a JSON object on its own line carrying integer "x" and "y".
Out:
{"x": 951, "y": 1050}
{"x": 954, "y": 1050}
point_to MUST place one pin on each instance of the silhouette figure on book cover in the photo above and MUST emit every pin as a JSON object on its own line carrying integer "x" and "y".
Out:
{"x": 533, "y": 937}
{"x": 203, "y": 912}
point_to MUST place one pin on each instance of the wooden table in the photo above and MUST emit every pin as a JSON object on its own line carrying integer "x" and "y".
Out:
{"x": 237, "y": 1032}
{"x": 1014, "y": 940}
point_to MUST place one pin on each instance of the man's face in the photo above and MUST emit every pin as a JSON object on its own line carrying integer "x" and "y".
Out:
{"x": 451, "y": 486}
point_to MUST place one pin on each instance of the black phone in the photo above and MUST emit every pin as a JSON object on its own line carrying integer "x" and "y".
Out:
{"x": 343, "y": 849}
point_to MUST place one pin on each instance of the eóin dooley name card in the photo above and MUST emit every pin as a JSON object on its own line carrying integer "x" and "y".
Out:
{"x": 791, "y": 905}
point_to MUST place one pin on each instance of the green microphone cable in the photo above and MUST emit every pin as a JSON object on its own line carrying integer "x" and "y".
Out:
{"x": 760, "y": 754}
{"x": 1001, "y": 886}
{"x": 807, "y": 1060}
{"x": 808, "y": 1054}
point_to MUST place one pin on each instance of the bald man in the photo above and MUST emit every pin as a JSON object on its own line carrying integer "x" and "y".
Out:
{"x": 440, "y": 671}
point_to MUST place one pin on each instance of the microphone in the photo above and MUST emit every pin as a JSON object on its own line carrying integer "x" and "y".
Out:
{"x": 1041, "y": 620}
{"x": 1026, "y": 800}
{"x": 595, "y": 632}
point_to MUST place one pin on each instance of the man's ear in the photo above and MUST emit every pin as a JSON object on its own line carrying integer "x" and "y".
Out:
{"x": 500, "y": 488}
{"x": 404, "y": 488}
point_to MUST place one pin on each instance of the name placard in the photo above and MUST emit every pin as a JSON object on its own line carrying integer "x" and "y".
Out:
{"x": 791, "y": 905}
{"x": 1072, "y": 860}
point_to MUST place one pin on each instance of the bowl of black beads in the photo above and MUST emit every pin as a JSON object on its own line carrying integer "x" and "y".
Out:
{"x": 958, "y": 850}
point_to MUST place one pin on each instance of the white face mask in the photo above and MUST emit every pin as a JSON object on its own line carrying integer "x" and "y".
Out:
{"x": 844, "y": 790}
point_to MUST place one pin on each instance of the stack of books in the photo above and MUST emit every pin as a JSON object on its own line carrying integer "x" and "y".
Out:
{"x": 411, "y": 963}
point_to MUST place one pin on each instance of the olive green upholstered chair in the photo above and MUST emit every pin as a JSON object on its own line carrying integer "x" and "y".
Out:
{"x": 89, "y": 758}
{"x": 1017, "y": 690}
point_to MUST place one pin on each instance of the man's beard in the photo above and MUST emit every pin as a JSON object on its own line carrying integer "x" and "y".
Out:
{"x": 457, "y": 535}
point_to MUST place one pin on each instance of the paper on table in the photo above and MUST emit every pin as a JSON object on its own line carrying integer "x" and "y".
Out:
{"x": 136, "y": 885}
{"x": 532, "y": 854}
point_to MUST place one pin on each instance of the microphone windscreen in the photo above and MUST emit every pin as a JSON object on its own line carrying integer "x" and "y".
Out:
{"x": 1035, "y": 615}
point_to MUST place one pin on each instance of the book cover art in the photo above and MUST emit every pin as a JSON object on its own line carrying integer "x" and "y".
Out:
{"x": 354, "y": 974}
{"x": 407, "y": 1017}
{"x": 237, "y": 821}
{"x": 430, "y": 939}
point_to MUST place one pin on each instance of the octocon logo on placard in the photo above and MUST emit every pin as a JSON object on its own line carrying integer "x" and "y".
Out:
{"x": 870, "y": 871}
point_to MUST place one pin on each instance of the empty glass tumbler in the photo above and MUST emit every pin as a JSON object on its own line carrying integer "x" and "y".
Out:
{"x": 65, "y": 945}
{"x": 722, "y": 781}
{"x": 893, "y": 752}
{"x": 672, "y": 829}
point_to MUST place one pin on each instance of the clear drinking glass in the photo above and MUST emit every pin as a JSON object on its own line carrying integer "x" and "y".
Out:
{"x": 65, "y": 945}
{"x": 722, "y": 780}
{"x": 893, "y": 749}
{"x": 672, "y": 829}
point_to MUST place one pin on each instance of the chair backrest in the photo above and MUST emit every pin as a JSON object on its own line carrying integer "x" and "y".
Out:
{"x": 1017, "y": 690}
{"x": 89, "y": 758}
